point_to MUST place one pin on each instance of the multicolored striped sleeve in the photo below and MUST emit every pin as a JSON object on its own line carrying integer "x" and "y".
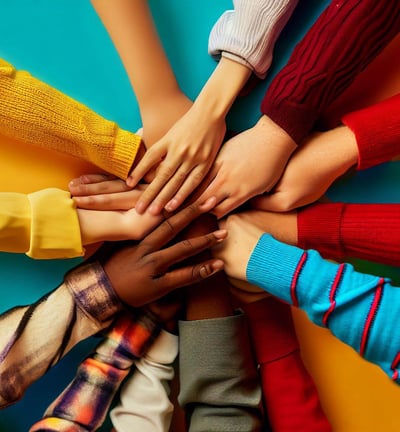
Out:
{"x": 84, "y": 404}
{"x": 346, "y": 37}
{"x": 359, "y": 309}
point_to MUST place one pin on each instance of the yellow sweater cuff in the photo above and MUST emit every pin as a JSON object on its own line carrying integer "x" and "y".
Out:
{"x": 55, "y": 230}
{"x": 15, "y": 222}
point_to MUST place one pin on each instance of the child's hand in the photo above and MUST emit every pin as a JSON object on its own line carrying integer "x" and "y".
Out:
{"x": 143, "y": 273}
{"x": 183, "y": 157}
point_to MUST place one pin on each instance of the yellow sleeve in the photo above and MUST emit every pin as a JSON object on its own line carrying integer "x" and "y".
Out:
{"x": 43, "y": 224}
{"x": 40, "y": 115}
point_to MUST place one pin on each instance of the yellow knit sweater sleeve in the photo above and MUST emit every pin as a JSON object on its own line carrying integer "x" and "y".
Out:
{"x": 40, "y": 115}
{"x": 43, "y": 224}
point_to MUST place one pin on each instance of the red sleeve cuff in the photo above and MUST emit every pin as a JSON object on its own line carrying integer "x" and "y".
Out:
{"x": 377, "y": 131}
{"x": 318, "y": 228}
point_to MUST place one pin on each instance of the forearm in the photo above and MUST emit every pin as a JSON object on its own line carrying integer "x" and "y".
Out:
{"x": 40, "y": 115}
{"x": 221, "y": 89}
{"x": 343, "y": 41}
{"x": 34, "y": 338}
{"x": 333, "y": 296}
{"x": 133, "y": 32}
{"x": 341, "y": 230}
{"x": 248, "y": 34}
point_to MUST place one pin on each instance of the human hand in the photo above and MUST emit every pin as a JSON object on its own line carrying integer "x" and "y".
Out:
{"x": 104, "y": 192}
{"x": 147, "y": 271}
{"x": 183, "y": 157}
{"x": 311, "y": 170}
{"x": 248, "y": 164}
{"x": 237, "y": 248}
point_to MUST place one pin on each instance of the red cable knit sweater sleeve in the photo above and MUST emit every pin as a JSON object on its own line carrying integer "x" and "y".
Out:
{"x": 346, "y": 37}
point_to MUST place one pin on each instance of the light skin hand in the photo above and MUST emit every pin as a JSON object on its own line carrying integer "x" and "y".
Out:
{"x": 249, "y": 164}
{"x": 184, "y": 155}
{"x": 107, "y": 225}
{"x": 237, "y": 248}
{"x": 311, "y": 170}
{"x": 102, "y": 192}
{"x": 143, "y": 273}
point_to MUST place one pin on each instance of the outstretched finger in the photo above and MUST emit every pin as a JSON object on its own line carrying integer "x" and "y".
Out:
{"x": 187, "y": 248}
{"x": 152, "y": 157}
{"x": 175, "y": 224}
{"x": 103, "y": 187}
{"x": 188, "y": 275}
{"x": 113, "y": 201}
{"x": 190, "y": 184}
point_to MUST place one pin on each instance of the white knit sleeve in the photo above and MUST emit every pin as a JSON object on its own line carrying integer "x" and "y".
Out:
{"x": 248, "y": 33}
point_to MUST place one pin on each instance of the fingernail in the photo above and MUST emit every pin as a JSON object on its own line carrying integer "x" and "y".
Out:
{"x": 171, "y": 205}
{"x": 154, "y": 209}
{"x": 140, "y": 207}
{"x": 129, "y": 181}
{"x": 209, "y": 203}
{"x": 221, "y": 234}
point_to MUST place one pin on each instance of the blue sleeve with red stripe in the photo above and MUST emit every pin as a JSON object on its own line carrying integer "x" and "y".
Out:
{"x": 359, "y": 309}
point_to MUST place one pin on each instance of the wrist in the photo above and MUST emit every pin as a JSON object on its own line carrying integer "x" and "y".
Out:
{"x": 222, "y": 88}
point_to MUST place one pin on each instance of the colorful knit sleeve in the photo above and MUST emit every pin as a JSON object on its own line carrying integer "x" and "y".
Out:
{"x": 40, "y": 115}
{"x": 34, "y": 338}
{"x": 346, "y": 37}
{"x": 341, "y": 230}
{"x": 359, "y": 309}
{"x": 248, "y": 34}
{"x": 377, "y": 131}
{"x": 43, "y": 224}
{"x": 84, "y": 404}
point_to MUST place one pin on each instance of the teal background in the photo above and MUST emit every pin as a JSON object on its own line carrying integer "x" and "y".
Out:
{"x": 63, "y": 43}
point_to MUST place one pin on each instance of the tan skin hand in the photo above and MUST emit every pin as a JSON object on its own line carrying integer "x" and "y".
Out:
{"x": 147, "y": 271}
{"x": 184, "y": 155}
{"x": 249, "y": 164}
{"x": 311, "y": 170}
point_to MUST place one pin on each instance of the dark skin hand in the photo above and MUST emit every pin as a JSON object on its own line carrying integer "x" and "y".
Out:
{"x": 148, "y": 270}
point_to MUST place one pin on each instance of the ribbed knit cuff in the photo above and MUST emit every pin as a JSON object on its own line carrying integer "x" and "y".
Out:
{"x": 249, "y": 33}
{"x": 125, "y": 150}
{"x": 295, "y": 119}
{"x": 319, "y": 227}
{"x": 272, "y": 265}
{"x": 377, "y": 130}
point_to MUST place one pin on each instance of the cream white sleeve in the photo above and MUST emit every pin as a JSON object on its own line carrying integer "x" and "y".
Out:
{"x": 144, "y": 399}
{"x": 248, "y": 33}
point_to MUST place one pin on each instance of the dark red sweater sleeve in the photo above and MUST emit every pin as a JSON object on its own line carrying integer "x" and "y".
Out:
{"x": 339, "y": 231}
{"x": 377, "y": 131}
{"x": 346, "y": 37}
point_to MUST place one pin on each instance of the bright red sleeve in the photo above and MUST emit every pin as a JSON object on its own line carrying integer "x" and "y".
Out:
{"x": 339, "y": 231}
{"x": 290, "y": 395}
{"x": 346, "y": 37}
{"x": 377, "y": 131}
